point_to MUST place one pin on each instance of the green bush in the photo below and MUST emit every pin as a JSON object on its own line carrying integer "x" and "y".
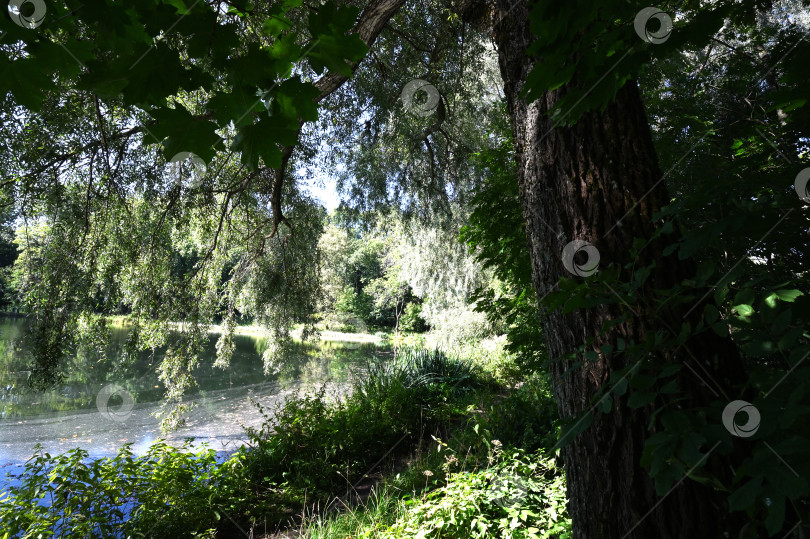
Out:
{"x": 435, "y": 375}
{"x": 518, "y": 496}
{"x": 526, "y": 416}
{"x": 310, "y": 450}
{"x": 166, "y": 492}
{"x": 411, "y": 319}
{"x": 355, "y": 304}
{"x": 320, "y": 448}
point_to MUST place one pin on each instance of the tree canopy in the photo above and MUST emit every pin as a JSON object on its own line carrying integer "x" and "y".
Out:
{"x": 155, "y": 163}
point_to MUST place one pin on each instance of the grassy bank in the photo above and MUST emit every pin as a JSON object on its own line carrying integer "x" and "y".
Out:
{"x": 430, "y": 442}
{"x": 492, "y": 476}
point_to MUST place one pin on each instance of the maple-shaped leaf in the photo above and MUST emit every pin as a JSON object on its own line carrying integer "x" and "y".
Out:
{"x": 237, "y": 105}
{"x": 26, "y": 82}
{"x": 334, "y": 52}
{"x": 295, "y": 99}
{"x": 179, "y": 131}
{"x": 259, "y": 140}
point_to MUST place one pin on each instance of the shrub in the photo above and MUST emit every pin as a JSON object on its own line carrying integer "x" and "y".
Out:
{"x": 310, "y": 450}
{"x": 454, "y": 326}
{"x": 320, "y": 448}
{"x": 411, "y": 319}
{"x": 519, "y": 496}
{"x": 166, "y": 492}
{"x": 526, "y": 416}
{"x": 355, "y": 304}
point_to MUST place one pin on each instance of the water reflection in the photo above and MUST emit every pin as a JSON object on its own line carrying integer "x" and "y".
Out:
{"x": 89, "y": 371}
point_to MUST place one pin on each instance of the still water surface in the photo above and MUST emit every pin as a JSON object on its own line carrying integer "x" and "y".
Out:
{"x": 80, "y": 412}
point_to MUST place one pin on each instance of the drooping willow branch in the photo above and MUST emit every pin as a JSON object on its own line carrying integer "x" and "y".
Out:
{"x": 371, "y": 22}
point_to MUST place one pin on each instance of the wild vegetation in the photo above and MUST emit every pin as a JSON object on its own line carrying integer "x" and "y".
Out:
{"x": 311, "y": 452}
{"x": 583, "y": 226}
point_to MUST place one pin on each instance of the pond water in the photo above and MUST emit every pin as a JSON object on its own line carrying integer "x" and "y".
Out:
{"x": 103, "y": 403}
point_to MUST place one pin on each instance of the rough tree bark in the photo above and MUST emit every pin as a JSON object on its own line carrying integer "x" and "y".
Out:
{"x": 577, "y": 183}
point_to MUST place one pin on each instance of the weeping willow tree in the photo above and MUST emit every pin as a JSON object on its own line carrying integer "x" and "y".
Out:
{"x": 161, "y": 183}
{"x": 112, "y": 219}
{"x": 116, "y": 229}
{"x": 400, "y": 133}
{"x": 99, "y": 96}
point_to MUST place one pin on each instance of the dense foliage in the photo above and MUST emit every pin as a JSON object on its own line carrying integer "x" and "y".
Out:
{"x": 308, "y": 450}
{"x": 154, "y": 158}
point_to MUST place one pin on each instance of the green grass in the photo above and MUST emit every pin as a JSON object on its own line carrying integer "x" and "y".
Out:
{"x": 509, "y": 494}
{"x": 378, "y": 513}
{"x": 492, "y": 477}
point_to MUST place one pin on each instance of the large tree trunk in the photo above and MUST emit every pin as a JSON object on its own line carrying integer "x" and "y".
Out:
{"x": 577, "y": 183}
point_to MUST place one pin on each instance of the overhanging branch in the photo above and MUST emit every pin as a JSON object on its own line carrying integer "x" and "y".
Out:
{"x": 371, "y": 22}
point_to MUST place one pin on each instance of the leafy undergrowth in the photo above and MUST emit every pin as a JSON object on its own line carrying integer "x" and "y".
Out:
{"x": 475, "y": 484}
{"x": 308, "y": 451}
{"x": 516, "y": 495}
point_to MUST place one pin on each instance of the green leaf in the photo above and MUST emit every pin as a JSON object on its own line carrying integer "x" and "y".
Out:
{"x": 259, "y": 140}
{"x": 332, "y": 19}
{"x": 721, "y": 328}
{"x": 638, "y": 399}
{"x": 710, "y": 313}
{"x": 295, "y": 99}
{"x": 238, "y": 105}
{"x": 745, "y": 297}
{"x": 334, "y": 53}
{"x": 670, "y": 370}
{"x": 781, "y": 322}
{"x": 183, "y": 133}
{"x": 789, "y": 339}
{"x": 275, "y": 25}
{"x": 788, "y": 295}
{"x": 776, "y": 515}
{"x": 744, "y": 310}
{"x": 260, "y": 67}
{"x": 745, "y": 496}
{"x": 642, "y": 381}
{"x": 26, "y": 81}
{"x": 621, "y": 387}
{"x": 605, "y": 403}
